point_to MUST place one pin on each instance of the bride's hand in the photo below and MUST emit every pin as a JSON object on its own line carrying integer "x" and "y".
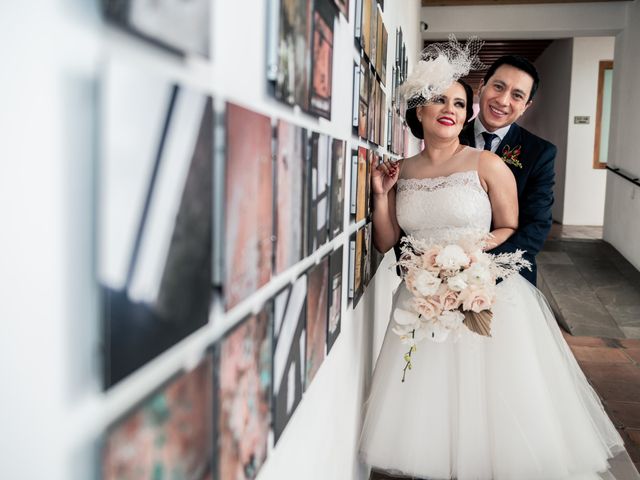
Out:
{"x": 384, "y": 177}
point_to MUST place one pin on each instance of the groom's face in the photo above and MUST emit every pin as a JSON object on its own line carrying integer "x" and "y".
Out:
{"x": 505, "y": 97}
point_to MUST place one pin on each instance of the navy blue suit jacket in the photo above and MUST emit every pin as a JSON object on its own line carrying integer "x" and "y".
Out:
{"x": 535, "y": 181}
{"x": 535, "y": 178}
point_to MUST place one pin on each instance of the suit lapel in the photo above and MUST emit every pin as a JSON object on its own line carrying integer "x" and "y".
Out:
{"x": 511, "y": 139}
{"x": 467, "y": 135}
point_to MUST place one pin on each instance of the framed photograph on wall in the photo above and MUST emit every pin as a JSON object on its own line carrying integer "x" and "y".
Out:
{"x": 365, "y": 31}
{"x": 248, "y": 209}
{"x": 355, "y": 103}
{"x": 242, "y": 390}
{"x": 293, "y": 75}
{"x": 289, "y": 354}
{"x": 319, "y": 186}
{"x": 155, "y": 211}
{"x": 317, "y": 316}
{"x": 336, "y": 210}
{"x": 361, "y": 191}
{"x": 352, "y": 263}
{"x": 358, "y": 21}
{"x": 322, "y": 60}
{"x": 373, "y": 103}
{"x": 335, "y": 297}
{"x": 353, "y": 191}
{"x": 358, "y": 284}
{"x": 383, "y": 55}
{"x": 373, "y": 49}
{"x": 181, "y": 26}
{"x": 365, "y": 83}
{"x": 379, "y": 35}
{"x": 152, "y": 439}
{"x": 291, "y": 152}
{"x": 343, "y": 6}
{"x": 367, "y": 254}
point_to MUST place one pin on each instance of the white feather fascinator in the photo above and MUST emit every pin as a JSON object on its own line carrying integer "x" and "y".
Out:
{"x": 439, "y": 66}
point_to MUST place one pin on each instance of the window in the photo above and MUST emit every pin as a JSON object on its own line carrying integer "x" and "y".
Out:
{"x": 603, "y": 114}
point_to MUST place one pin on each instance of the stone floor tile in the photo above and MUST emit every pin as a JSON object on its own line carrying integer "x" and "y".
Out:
{"x": 583, "y": 341}
{"x": 611, "y": 373}
{"x": 597, "y": 330}
{"x": 631, "y": 332}
{"x": 629, "y": 342}
{"x": 633, "y": 353}
{"x": 599, "y": 354}
{"x": 625, "y": 413}
{"x": 617, "y": 391}
{"x": 633, "y": 446}
{"x": 553, "y": 258}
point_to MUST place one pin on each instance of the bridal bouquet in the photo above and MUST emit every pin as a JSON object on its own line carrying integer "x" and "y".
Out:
{"x": 453, "y": 287}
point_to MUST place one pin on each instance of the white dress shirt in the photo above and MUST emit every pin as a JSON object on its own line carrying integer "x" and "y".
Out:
{"x": 478, "y": 128}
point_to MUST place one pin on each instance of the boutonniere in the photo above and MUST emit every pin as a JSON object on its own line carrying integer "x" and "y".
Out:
{"x": 510, "y": 156}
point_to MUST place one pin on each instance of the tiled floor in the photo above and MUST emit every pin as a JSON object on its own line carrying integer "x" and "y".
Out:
{"x": 592, "y": 288}
{"x": 613, "y": 369}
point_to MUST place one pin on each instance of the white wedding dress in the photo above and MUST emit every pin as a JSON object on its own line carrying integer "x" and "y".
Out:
{"x": 515, "y": 406}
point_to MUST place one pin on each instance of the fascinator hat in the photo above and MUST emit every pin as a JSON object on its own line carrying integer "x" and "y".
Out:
{"x": 439, "y": 66}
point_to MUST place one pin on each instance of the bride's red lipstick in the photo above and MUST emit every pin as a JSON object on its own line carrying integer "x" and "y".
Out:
{"x": 447, "y": 121}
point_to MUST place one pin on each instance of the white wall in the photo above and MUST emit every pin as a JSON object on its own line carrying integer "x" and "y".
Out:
{"x": 549, "y": 112}
{"x": 53, "y": 411}
{"x": 559, "y": 20}
{"x": 622, "y": 210}
{"x": 585, "y": 186}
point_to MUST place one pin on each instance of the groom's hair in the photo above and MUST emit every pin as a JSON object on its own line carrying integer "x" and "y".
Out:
{"x": 520, "y": 63}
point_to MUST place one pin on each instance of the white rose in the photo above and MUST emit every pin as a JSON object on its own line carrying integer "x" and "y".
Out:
{"x": 426, "y": 283}
{"x": 451, "y": 319}
{"x": 458, "y": 282}
{"x": 478, "y": 274}
{"x": 452, "y": 257}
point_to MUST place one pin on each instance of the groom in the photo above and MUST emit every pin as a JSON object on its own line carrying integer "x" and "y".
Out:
{"x": 505, "y": 94}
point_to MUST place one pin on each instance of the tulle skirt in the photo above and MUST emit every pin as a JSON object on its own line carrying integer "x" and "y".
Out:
{"x": 515, "y": 406}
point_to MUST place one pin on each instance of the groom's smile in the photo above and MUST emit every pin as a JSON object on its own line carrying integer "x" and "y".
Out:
{"x": 505, "y": 97}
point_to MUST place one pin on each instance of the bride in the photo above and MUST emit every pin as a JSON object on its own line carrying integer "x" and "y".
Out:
{"x": 512, "y": 406}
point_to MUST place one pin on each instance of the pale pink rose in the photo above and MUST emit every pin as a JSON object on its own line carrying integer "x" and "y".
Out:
{"x": 450, "y": 300}
{"x": 429, "y": 259}
{"x": 428, "y": 307}
{"x": 476, "y": 298}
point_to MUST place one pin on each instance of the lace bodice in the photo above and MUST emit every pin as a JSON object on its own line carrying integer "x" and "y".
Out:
{"x": 443, "y": 208}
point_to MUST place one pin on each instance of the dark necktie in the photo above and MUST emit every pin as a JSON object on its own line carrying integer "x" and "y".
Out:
{"x": 488, "y": 138}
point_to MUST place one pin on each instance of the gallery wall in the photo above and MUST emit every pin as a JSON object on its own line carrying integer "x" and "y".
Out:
{"x": 65, "y": 413}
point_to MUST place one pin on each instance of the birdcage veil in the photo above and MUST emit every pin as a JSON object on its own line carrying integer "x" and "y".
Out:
{"x": 439, "y": 66}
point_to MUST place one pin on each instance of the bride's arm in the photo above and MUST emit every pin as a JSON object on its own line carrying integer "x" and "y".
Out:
{"x": 500, "y": 185}
{"x": 386, "y": 231}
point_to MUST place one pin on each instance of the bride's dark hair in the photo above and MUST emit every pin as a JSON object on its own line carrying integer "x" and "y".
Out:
{"x": 412, "y": 117}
